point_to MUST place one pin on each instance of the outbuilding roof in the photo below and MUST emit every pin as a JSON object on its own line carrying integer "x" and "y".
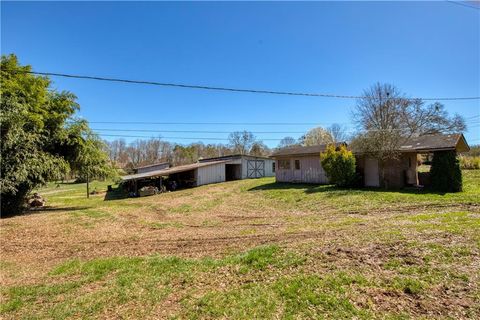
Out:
{"x": 152, "y": 165}
{"x": 302, "y": 150}
{"x": 168, "y": 171}
{"x": 232, "y": 156}
{"x": 426, "y": 143}
{"x": 436, "y": 142}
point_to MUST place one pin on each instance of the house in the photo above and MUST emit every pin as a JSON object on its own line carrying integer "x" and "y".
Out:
{"x": 302, "y": 164}
{"x": 206, "y": 171}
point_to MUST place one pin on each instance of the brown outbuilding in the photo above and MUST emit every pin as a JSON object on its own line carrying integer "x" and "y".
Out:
{"x": 302, "y": 164}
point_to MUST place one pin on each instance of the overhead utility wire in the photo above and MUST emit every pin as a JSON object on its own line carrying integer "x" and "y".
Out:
{"x": 219, "y": 123}
{"x": 191, "y": 131}
{"x": 346, "y": 129}
{"x": 462, "y": 3}
{"x": 190, "y": 138}
{"x": 180, "y": 85}
{"x": 211, "y": 123}
{"x": 185, "y": 138}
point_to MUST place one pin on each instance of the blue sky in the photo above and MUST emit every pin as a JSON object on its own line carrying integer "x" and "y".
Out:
{"x": 427, "y": 49}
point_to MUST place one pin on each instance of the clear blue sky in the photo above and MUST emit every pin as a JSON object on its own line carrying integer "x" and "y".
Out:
{"x": 427, "y": 49}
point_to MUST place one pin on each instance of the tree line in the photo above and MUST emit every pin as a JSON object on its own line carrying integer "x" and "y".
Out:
{"x": 142, "y": 152}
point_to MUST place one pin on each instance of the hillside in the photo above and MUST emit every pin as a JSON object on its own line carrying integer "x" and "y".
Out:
{"x": 245, "y": 249}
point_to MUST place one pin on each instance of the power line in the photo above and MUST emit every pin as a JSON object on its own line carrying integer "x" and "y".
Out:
{"x": 462, "y": 3}
{"x": 469, "y": 120}
{"x": 184, "y": 138}
{"x": 194, "y": 131}
{"x": 189, "y": 86}
{"x": 206, "y": 138}
{"x": 214, "y": 123}
{"x": 346, "y": 129}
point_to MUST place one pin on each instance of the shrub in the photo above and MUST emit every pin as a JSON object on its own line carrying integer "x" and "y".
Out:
{"x": 445, "y": 172}
{"x": 469, "y": 162}
{"x": 339, "y": 164}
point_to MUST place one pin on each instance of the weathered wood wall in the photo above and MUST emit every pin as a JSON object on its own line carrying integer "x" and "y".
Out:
{"x": 397, "y": 173}
{"x": 311, "y": 170}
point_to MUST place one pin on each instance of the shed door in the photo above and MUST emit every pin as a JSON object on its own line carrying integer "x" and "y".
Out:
{"x": 371, "y": 173}
{"x": 255, "y": 168}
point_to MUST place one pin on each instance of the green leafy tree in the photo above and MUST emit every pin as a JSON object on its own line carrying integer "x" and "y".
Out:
{"x": 37, "y": 144}
{"x": 339, "y": 165}
{"x": 445, "y": 172}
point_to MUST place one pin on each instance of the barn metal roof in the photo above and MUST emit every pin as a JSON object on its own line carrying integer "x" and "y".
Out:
{"x": 152, "y": 165}
{"x": 233, "y": 156}
{"x": 168, "y": 171}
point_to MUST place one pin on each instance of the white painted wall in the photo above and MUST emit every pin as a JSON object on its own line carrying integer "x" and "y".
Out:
{"x": 267, "y": 163}
{"x": 210, "y": 174}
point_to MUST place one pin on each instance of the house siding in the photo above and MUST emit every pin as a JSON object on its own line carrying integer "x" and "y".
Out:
{"x": 311, "y": 170}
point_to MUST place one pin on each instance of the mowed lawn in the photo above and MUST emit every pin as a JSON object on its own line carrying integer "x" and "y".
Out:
{"x": 243, "y": 250}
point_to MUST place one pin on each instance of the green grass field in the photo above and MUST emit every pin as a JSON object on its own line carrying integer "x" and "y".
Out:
{"x": 244, "y": 250}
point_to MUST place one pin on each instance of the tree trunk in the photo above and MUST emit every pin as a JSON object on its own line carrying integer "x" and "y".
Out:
{"x": 88, "y": 186}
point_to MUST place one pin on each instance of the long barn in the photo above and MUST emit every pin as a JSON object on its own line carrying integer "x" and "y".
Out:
{"x": 206, "y": 171}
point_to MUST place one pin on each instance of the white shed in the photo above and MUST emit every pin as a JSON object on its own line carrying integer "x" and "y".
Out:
{"x": 245, "y": 166}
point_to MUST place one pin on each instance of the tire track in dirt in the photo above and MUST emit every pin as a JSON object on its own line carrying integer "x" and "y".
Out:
{"x": 143, "y": 246}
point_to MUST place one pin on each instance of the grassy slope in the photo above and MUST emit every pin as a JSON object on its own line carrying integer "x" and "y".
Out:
{"x": 283, "y": 251}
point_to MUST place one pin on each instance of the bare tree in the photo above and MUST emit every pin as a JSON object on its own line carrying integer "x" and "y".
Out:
{"x": 316, "y": 136}
{"x": 386, "y": 118}
{"x": 259, "y": 149}
{"x": 338, "y": 133}
{"x": 241, "y": 141}
{"x": 431, "y": 119}
{"x": 287, "y": 142}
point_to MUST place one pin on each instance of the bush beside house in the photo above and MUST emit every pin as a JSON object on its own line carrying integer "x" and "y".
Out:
{"x": 445, "y": 173}
{"x": 339, "y": 165}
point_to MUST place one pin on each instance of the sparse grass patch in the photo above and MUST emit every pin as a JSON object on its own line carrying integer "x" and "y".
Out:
{"x": 183, "y": 208}
{"x": 163, "y": 225}
{"x": 146, "y": 280}
{"x": 288, "y": 297}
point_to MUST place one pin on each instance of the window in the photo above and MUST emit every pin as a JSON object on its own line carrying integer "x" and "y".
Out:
{"x": 297, "y": 164}
{"x": 283, "y": 164}
{"x": 273, "y": 166}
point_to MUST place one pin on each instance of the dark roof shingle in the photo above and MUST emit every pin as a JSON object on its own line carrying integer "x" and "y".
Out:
{"x": 436, "y": 142}
{"x": 427, "y": 143}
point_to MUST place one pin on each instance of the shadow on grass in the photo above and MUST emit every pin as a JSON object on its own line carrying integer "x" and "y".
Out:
{"x": 43, "y": 210}
{"x": 116, "y": 194}
{"x": 334, "y": 190}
